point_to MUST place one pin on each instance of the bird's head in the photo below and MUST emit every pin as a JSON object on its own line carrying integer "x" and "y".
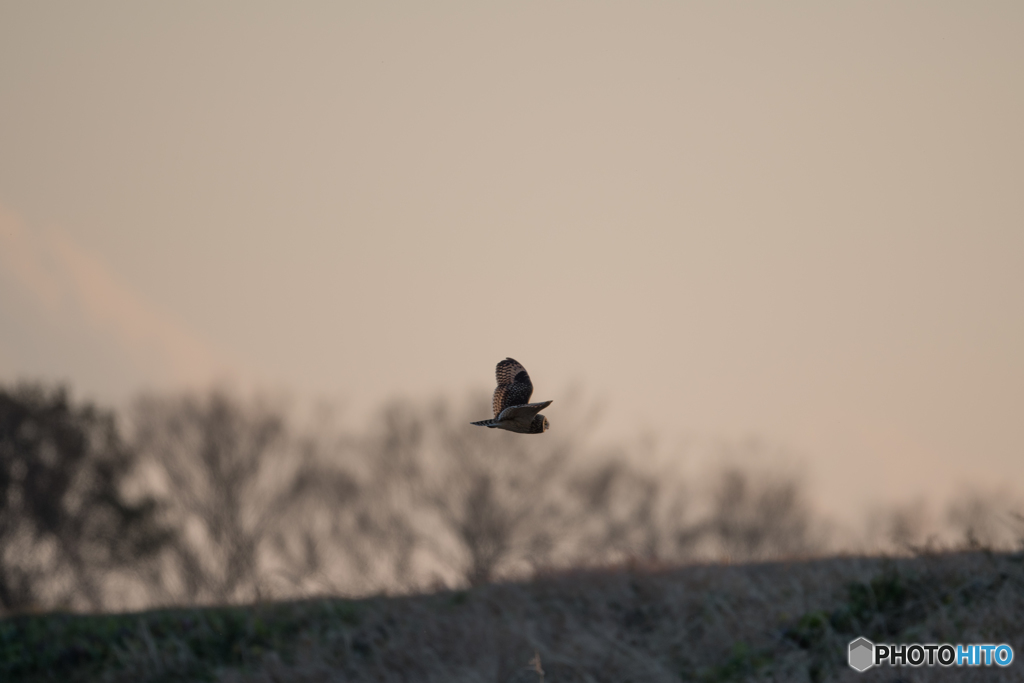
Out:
{"x": 539, "y": 425}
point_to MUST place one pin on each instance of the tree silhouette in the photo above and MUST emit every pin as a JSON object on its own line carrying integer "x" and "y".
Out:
{"x": 238, "y": 486}
{"x": 64, "y": 515}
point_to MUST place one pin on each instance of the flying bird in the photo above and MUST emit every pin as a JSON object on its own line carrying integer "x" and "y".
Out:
{"x": 511, "y": 410}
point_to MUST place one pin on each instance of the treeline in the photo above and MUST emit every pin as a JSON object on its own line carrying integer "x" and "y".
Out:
{"x": 212, "y": 498}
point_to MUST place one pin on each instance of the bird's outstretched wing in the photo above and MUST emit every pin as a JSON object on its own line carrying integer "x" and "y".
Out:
{"x": 514, "y": 386}
{"x": 523, "y": 412}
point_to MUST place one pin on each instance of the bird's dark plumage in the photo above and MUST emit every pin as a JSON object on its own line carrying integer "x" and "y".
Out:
{"x": 510, "y": 403}
{"x": 514, "y": 386}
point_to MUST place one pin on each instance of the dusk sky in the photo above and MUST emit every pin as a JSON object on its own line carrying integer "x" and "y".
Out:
{"x": 801, "y": 221}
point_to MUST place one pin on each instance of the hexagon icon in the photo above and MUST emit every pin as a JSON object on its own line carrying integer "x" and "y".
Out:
{"x": 862, "y": 654}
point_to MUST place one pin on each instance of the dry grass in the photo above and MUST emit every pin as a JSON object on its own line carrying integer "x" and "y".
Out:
{"x": 783, "y": 621}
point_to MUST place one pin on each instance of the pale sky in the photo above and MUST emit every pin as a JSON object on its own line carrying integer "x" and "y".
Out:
{"x": 800, "y": 221}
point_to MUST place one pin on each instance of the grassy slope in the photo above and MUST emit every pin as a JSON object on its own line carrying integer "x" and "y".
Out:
{"x": 778, "y": 621}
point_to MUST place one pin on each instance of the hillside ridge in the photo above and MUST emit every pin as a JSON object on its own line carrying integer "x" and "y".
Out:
{"x": 785, "y": 620}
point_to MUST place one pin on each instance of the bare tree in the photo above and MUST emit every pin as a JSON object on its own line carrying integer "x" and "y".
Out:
{"x": 983, "y": 520}
{"x": 251, "y": 506}
{"x": 484, "y": 504}
{"x": 65, "y": 518}
{"x": 499, "y": 497}
{"x": 465, "y": 500}
{"x": 377, "y": 533}
{"x": 752, "y": 521}
{"x": 624, "y": 512}
{"x": 236, "y": 486}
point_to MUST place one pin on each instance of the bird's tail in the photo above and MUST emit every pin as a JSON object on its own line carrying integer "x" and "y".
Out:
{"x": 486, "y": 423}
